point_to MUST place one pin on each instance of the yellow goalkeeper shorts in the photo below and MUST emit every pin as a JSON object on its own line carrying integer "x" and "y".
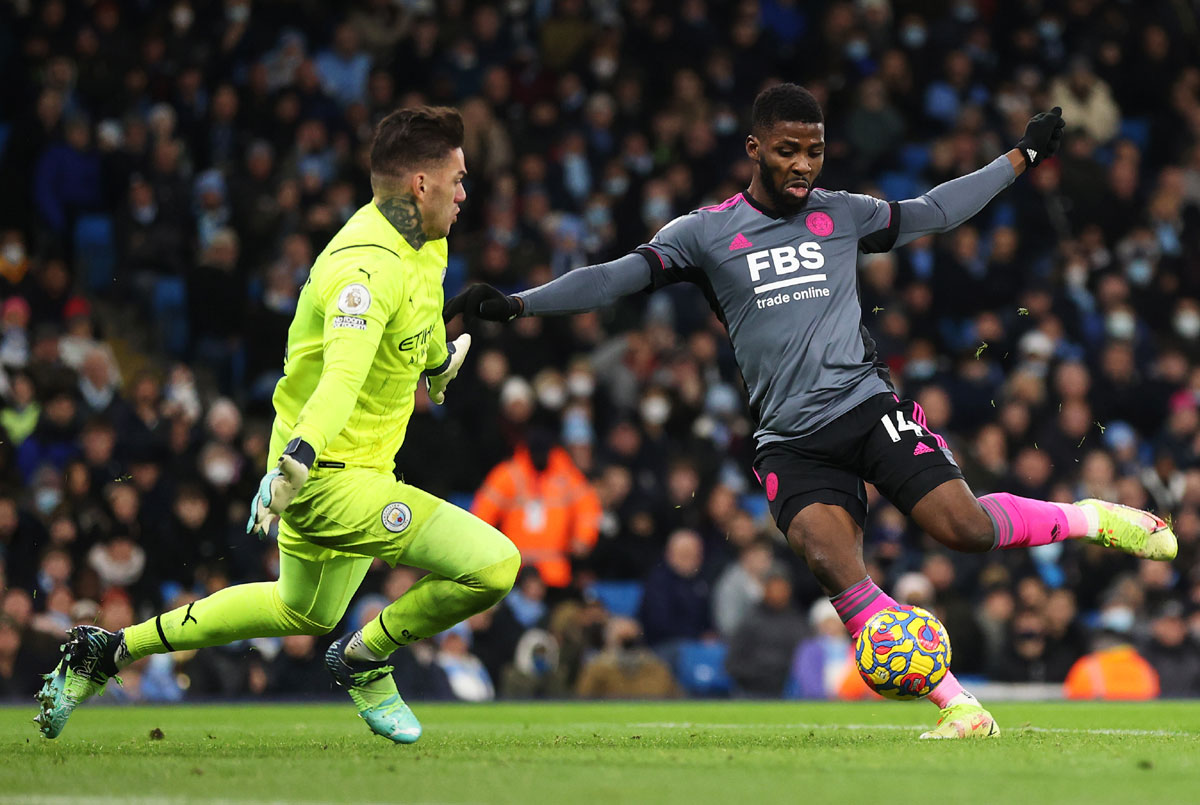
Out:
{"x": 362, "y": 512}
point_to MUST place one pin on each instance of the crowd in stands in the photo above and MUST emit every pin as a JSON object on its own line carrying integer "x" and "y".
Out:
{"x": 170, "y": 170}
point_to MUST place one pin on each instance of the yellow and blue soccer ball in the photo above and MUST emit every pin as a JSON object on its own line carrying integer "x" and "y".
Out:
{"x": 903, "y": 652}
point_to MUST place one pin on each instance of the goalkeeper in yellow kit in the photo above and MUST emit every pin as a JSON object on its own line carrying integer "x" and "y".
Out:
{"x": 368, "y": 324}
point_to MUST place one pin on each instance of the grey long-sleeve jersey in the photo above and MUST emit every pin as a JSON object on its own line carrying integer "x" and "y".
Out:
{"x": 786, "y": 288}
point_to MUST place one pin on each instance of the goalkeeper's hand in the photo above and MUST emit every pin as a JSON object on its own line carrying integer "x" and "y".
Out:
{"x": 279, "y": 487}
{"x": 436, "y": 384}
{"x": 1043, "y": 136}
{"x": 483, "y": 302}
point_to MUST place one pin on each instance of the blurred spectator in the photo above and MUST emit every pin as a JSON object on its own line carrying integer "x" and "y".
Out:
{"x": 823, "y": 665}
{"x": 67, "y": 178}
{"x": 1031, "y": 655}
{"x": 17, "y": 679}
{"x": 469, "y": 679}
{"x": 676, "y": 604}
{"x": 20, "y": 416}
{"x": 762, "y": 646}
{"x": 545, "y": 506}
{"x": 626, "y": 669}
{"x": 1172, "y": 653}
{"x": 740, "y": 587}
{"x": 298, "y": 667}
{"x": 1114, "y": 669}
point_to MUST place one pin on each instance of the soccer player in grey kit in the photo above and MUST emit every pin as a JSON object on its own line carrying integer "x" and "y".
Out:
{"x": 778, "y": 264}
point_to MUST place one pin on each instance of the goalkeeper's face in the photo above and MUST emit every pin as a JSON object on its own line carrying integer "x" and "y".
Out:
{"x": 442, "y": 194}
{"x": 788, "y": 158}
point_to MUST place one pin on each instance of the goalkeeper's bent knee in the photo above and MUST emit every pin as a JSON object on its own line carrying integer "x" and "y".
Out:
{"x": 495, "y": 582}
{"x": 302, "y": 624}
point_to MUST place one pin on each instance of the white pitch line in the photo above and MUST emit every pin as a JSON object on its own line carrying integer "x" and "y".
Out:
{"x": 905, "y": 727}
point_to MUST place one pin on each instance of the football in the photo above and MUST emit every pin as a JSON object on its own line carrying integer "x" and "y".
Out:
{"x": 903, "y": 652}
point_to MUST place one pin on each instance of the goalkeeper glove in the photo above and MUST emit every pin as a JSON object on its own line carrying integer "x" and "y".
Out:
{"x": 437, "y": 383}
{"x": 1043, "y": 135}
{"x": 483, "y": 302}
{"x": 279, "y": 487}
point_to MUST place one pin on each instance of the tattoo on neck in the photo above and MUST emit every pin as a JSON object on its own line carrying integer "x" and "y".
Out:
{"x": 402, "y": 213}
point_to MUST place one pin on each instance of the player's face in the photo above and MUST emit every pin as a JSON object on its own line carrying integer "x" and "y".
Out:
{"x": 444, "y": 193}
{"x": 789, "y": 157}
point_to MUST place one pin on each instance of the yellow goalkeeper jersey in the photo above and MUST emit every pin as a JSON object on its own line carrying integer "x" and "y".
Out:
{"x": 368, "y": 323}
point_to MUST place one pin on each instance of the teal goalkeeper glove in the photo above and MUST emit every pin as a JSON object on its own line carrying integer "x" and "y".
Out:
{"x": 437, "y": 383}
{"x": 279, "y": 487}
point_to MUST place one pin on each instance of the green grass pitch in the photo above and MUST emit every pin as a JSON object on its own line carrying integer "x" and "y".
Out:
{"x": 734, "y": 753}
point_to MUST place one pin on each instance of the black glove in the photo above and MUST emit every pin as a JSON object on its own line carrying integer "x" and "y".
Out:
{"x": 483, "y": 302}
{"x": 1043, "y": 135}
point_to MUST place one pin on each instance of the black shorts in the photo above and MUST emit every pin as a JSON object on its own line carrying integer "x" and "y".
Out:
{"x": 884, "y": 440}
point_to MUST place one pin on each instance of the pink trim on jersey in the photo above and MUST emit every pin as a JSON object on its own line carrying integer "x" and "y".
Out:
{"x": 920, "y": 414}
{"x": 732, "y": 201}
{"x": 661, "y": 262}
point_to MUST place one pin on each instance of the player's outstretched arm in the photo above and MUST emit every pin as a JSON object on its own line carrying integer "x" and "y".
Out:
{"x": 953, "y": 203}
{"x": 576, "y": 291}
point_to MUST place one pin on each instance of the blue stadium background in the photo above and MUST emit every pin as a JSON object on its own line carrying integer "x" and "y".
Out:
{"x": 168, "y": 171}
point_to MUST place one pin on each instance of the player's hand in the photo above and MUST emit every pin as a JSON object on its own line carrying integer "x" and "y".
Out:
{"x": 458, "y": 353}
{"x": 482, "y": 301}
{"x": 1043, "y": 136}
{"x": 279, "y": 487}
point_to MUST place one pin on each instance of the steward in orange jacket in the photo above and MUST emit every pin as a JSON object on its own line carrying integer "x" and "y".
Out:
{"x": 544, "y": 504}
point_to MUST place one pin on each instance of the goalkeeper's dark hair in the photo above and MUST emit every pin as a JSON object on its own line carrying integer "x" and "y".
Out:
{"x": 412, "y": 138}
{"x": 790, "y": 103}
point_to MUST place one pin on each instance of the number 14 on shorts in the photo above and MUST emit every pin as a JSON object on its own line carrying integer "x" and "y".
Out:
{"x": 894, "y": 429}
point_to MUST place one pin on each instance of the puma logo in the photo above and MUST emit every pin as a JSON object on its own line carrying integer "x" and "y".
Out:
{"x": 368, "y": 273}
{"x": 187, "y": 616}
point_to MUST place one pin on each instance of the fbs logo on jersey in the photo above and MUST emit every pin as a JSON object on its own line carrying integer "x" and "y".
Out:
{"x": 354, "y": 299}
{"x": 786, "y": 260}
{"x": 396, "y": 517}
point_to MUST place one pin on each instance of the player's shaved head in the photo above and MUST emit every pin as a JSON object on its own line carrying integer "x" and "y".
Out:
{"x": 414, "y": 138}
{"x": 790, "y": 103}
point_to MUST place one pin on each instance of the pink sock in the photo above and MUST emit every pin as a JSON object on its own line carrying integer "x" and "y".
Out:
{"x": 856, "y": 604}
{"x": 1022, "y": 522}
{"x": 946, "y": 690}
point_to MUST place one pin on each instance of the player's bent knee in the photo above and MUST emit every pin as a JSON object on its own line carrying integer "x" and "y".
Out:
{"x": 296, "y": 623}
{"x": 496, "y": 581}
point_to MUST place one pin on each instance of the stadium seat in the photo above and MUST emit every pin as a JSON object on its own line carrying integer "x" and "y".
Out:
{"x": 456, "y": 274}
{"x": 619, "y": 597}
{"x": 5, "y": 131}
{"x": 754, "y": 503}
{"x": 700, "y": 668}
{"x": 95, "y": 251}
{"x": 170, "y": 310}
{"x": 1137, "y": 130}
{"x": 462, "y": 500}
{"x": 914, "y": 157}
{"x": 895, "y": 185}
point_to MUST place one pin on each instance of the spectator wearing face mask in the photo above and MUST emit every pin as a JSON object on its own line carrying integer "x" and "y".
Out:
{"x": 544, "y": 504}
{"x": 1114, "y": 670}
